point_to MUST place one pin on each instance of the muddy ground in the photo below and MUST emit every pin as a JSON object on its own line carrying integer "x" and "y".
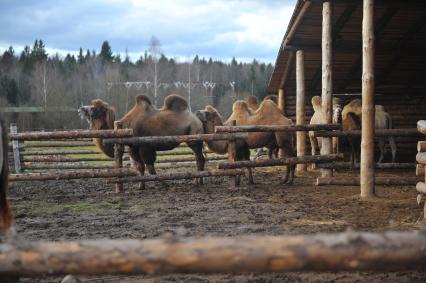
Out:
{"x": 89, "y": 209}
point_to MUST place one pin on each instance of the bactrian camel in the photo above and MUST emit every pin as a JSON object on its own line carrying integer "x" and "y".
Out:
{"x": 267, "y": 114}
{"x": 174, "y": 118}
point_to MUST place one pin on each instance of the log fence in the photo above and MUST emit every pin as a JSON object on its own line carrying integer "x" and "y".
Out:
{"x": 348, "y": 251}
{"x": 421, "y": 166}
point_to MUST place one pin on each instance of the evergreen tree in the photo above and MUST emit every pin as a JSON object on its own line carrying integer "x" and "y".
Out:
{"x": 38, "y": 53}
{"x": 106, "y": 53}
{"x": 80, "y": 57}
{"x": 25, "y": 59}
{"x": 8, "y": 57}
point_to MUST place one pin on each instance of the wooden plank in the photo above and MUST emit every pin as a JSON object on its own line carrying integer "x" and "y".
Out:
{"x": 300, "y": 107}
{"x": 347, "y": 251}
{"x": 420, "y": 170}
{"x": 348, "y": 165}
{"x": 403, "y": 132}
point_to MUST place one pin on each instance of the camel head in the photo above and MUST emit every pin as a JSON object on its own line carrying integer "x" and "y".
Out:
{"x": 210, "y": 118}
{"x": 252, "y": 102}
{"x": 99, "y": 114}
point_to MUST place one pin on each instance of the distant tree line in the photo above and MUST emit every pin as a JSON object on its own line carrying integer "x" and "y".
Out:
{"x": 55, "y": 82}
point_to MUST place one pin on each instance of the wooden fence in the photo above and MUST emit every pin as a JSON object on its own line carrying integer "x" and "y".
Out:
{"x": 421, "y": 166}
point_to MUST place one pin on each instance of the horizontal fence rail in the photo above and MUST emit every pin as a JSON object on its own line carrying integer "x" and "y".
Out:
{"x": 175, "y": 139}
{"x": 350, "y": 251}
{"x": 277, "y": 128}
{"x": 406, "y": 132}
{"x": 72, "y": 134}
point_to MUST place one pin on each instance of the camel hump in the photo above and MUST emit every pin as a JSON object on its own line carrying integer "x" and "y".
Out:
{"x": 176, "y": 103}
{"x": 142, "y": 98}
{"x": 99, "y": 103}
{"x": 268, "y": 107}
{"x": 240, "y": 106}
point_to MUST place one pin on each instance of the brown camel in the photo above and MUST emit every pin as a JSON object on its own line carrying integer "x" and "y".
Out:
{"x": 382, "y": 120}
{"x": 351, "y": 122}
{"x": 146, "y": 120}
{"x": 6, "y": 216}
{"x": 267, "y": 114}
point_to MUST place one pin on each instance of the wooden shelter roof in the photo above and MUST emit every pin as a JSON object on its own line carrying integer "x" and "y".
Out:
{"x": 400, "y": 34}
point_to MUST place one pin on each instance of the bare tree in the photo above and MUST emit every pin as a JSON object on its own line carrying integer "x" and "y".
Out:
{"x": 155, "y": 52}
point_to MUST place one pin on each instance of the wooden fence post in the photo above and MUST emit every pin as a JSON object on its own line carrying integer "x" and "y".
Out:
{"x": 232, "y": 153}
{"x": 118, "y": 158}
{"x": 327, "y": 79}
{"x": 300, "y": 106}
{"x": 15, "y": 148}
{"x": 368, "y": 110}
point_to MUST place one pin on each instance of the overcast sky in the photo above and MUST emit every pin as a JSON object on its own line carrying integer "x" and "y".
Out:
{"x": 220, "y": 29}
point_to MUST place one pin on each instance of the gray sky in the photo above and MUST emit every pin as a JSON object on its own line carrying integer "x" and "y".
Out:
{"x": 220, "y": 29}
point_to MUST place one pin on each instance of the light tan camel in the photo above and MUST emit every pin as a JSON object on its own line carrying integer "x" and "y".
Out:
{"x": 382, "y": 120}
{"x": 317, "y": 118}
{"x": 146, "y": 120}
{"x": 267, "y": 114}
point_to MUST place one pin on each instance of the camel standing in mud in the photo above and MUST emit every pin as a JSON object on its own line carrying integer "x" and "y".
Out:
{"x": 382, "y": 120}
{"x": 6, "y": 217}
{"x": 146, "y": 120}
{"x": 317, "y": 118}
{"x": 267, "y": 114}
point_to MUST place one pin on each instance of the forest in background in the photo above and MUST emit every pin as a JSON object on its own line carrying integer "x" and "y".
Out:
{"x": 60, "y": 84}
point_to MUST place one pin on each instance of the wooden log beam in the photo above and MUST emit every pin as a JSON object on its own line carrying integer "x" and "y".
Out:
{"x": 348, "y": 165}
{"x": 355, "y": 181}
{"x": 421, "y": 145}
{"x": 277, "y": 128}
{"x": 420, "y": 170}
{"x": 183, "y": 175}
{"x": 49, "y": 158}
{"x": 56, "y": 144}
{"x": 349, "y": 251}
{"x": 421, "y": 187}
{"x": 281, "y": 100}
{"x": 421, "y": 158}
{"x": 176, "y": 139}
{"x": 280, "y": 161}
{"x": 36, "y": 166}
{"x": 72, "y": 134}
{"x": 403, "y": 132}
{"x": 60, "y": 152}
{"x": 76, "y": 174}
{"x": 421, "y": 126}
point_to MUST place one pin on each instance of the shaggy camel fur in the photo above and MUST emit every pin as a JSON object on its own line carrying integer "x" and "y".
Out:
{"x": 382, "y": 120}
{"x": 146, "y": 120}
{"x": 252, "y": 102}
{"x": 6, "y": 216}
{"x": 267, "y": 114}
{"x": 318, "y": 119}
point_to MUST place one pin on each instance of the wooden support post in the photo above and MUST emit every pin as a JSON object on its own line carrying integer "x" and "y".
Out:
{"x": 15, "y": 148}
{"x": 421, "y": 146}
{"x": 281, "y": 100}
{"x": 232, "y": 153}
{"x": 368, "y": 110}
{"x": 118, "y": 158}
{"x": 327, "y": 79}
{"x": 300, "y": 106}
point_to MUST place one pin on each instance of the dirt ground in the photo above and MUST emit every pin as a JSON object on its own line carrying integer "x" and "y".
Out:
{"x": 89, "y": 209}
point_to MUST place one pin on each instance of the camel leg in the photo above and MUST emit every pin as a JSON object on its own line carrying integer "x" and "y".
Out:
{"x": 314, "y": 146}
{"x": 197, "y": 148}
{"x": 393, "y": 148}
{"x": 382, "y": 149}
{"x": 138, "y": 164}
{"x": 287, "y": 148}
